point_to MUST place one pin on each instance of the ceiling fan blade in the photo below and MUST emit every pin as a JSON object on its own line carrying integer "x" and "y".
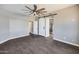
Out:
{"x": 44, "y": 11}
{"x": 28, "y": 11}
{"x": 35, "y": 8}
{"x": 41, "y": 12}
{"x": 41, "y": 9}
{"x": 53, "y": 13}
{"x": 24, "y": 10}
{"x": 28, "y": 14}
{"x": 31, "y": 13}
{"x": 28, "y": 8}
{"x": 50, "y": 14}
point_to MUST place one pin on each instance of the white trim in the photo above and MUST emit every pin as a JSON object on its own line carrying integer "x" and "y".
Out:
{"x": 17, "y": 36}
{"x": 12, "y": 38}
{"x": 67, "y": 42}
{"x": 4, "y": 41}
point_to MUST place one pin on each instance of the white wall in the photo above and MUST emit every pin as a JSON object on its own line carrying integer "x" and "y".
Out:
{"x": 4, "y": 28}
{"x": 66, "y": 25}
{"x": 18, "y": 28}
{"x": 12, "y": 26}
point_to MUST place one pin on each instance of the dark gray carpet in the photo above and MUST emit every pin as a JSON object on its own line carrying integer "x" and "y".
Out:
{"x": 36, "y": 45}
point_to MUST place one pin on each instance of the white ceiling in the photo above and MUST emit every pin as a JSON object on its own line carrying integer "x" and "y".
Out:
{"x": 18, "y": 8}
{"x": 54, "y": 7}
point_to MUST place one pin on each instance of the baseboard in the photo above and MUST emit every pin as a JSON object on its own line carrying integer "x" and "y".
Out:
{"x": 4, "y": 41}
{"x": 17, "y": 36}
{"x": 66, "y": 42}
{"x": 12, "y": 38}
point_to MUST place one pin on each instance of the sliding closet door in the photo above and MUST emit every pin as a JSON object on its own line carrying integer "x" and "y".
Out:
{"x": 42, "y": 26}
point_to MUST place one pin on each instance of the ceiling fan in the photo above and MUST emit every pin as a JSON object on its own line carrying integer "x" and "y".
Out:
{"x": 35, "y": 10}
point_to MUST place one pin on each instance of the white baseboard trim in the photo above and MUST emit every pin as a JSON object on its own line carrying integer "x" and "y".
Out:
{"x": 4, "y": 41}
{"x": 12, "y": 38}
{"x": 66, "y": 42}
{"x": 17, "y": 36}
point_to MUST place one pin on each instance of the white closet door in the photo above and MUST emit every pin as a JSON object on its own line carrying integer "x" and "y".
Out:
{"x": 42, "y": 26}
{"x": 35, "y": 27}
{"x": 47, "y": 26}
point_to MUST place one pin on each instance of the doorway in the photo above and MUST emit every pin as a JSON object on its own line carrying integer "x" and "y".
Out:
{"x": 51, "y": 27}
{"x": 30, "y": 25}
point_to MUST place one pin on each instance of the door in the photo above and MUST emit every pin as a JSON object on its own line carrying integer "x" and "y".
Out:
{"x": 42, "y": 26}
{"x": 30, "y": 27}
